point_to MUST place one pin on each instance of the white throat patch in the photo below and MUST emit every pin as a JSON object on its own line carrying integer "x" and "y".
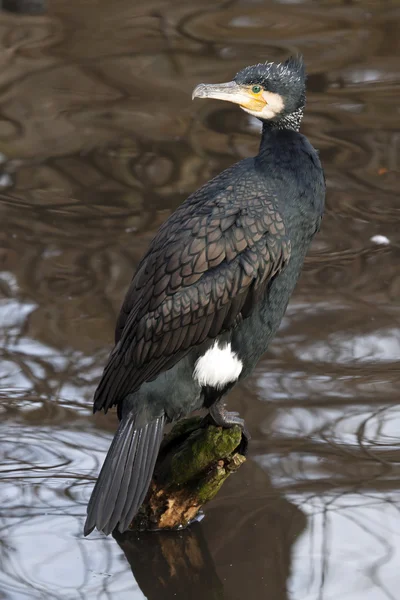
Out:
{"x": 217, "y": 367}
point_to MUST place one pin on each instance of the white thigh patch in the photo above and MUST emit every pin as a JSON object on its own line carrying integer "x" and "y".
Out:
{"x": 217, "y": 367}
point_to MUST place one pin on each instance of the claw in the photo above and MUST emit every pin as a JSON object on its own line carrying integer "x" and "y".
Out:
{"x": 221, "y": 417}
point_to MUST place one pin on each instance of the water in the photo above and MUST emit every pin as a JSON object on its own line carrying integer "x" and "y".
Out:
{"x": 100, "y": 142}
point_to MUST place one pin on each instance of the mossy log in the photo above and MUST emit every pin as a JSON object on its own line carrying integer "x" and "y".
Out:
{"x": 194, "y": 461}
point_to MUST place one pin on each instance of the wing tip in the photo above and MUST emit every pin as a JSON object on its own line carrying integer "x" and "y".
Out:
{"x": 109, "y": 510}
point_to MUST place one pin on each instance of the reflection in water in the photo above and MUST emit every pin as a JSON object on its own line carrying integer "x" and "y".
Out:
{"x": 99, "y": 142}
{"x": 169, "y": 565}
{"x": 243, "y": 548}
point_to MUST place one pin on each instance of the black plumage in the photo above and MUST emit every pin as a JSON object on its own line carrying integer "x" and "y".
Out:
{"x": 192, "y": 270}
{"x": 218, "y": 275}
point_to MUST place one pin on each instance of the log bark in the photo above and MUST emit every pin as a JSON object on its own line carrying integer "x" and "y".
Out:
{"x": 194, "y": 461}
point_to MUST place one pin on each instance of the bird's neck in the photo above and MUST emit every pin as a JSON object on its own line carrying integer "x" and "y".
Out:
{"x": 290, "y": 122}
{"x": 277, "y": 134}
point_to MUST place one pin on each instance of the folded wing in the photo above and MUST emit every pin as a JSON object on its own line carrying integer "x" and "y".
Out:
{"x": 208, "y": 264}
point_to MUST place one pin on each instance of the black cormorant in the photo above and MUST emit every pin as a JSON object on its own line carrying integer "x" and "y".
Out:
{"x": 211, "y": 291}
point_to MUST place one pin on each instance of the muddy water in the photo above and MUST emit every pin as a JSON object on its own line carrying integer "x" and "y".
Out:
{"x": 100, "y": 142}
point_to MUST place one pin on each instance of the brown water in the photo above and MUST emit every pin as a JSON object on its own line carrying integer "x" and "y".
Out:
{"x": 101, "y": 142}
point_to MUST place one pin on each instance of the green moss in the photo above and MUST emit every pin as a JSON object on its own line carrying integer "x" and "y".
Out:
{"x": 201, "y": 450}
{"x": 194, "y": 462}
{"x": 182, "y": 428}
{"x": 208, "y": 488}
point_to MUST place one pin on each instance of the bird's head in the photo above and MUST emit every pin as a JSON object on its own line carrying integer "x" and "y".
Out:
{"x": 274, "y": 92}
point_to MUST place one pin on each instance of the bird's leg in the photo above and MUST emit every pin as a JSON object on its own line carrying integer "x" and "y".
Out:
{"x": 224, "y": 418}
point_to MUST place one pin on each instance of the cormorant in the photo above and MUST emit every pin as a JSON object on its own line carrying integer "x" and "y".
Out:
{"x": 210, "y": 293}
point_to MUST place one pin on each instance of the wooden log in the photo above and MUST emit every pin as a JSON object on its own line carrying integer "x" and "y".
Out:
{"x": 242, "y": 549}
{"x": 194, "y": 461}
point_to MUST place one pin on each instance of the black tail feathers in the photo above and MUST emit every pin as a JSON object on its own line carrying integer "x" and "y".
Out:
{"x": 125, "y": 476}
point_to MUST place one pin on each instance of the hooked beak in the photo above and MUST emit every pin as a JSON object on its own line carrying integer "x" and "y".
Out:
{"x": 231, "y": 92}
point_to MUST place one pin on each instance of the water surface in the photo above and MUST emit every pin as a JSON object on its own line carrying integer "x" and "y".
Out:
{"x": 100, "y": 142}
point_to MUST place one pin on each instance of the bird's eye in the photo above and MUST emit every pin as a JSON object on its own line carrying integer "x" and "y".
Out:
{"x": 256, "y": 89}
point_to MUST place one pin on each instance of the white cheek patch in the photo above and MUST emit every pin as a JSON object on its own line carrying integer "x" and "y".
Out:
{"x": 274, "y": 102}
{"x": 217, "y": 367}
{"x": 274, "y": 106}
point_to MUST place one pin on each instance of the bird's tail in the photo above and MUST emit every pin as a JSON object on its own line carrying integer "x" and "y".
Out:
{"x": 125, "y": 476}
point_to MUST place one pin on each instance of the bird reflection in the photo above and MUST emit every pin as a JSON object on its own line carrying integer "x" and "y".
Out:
{"x": 242, "y": 548}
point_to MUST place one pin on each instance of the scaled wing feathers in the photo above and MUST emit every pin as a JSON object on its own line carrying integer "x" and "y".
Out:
{"x": 210, "y": 262}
